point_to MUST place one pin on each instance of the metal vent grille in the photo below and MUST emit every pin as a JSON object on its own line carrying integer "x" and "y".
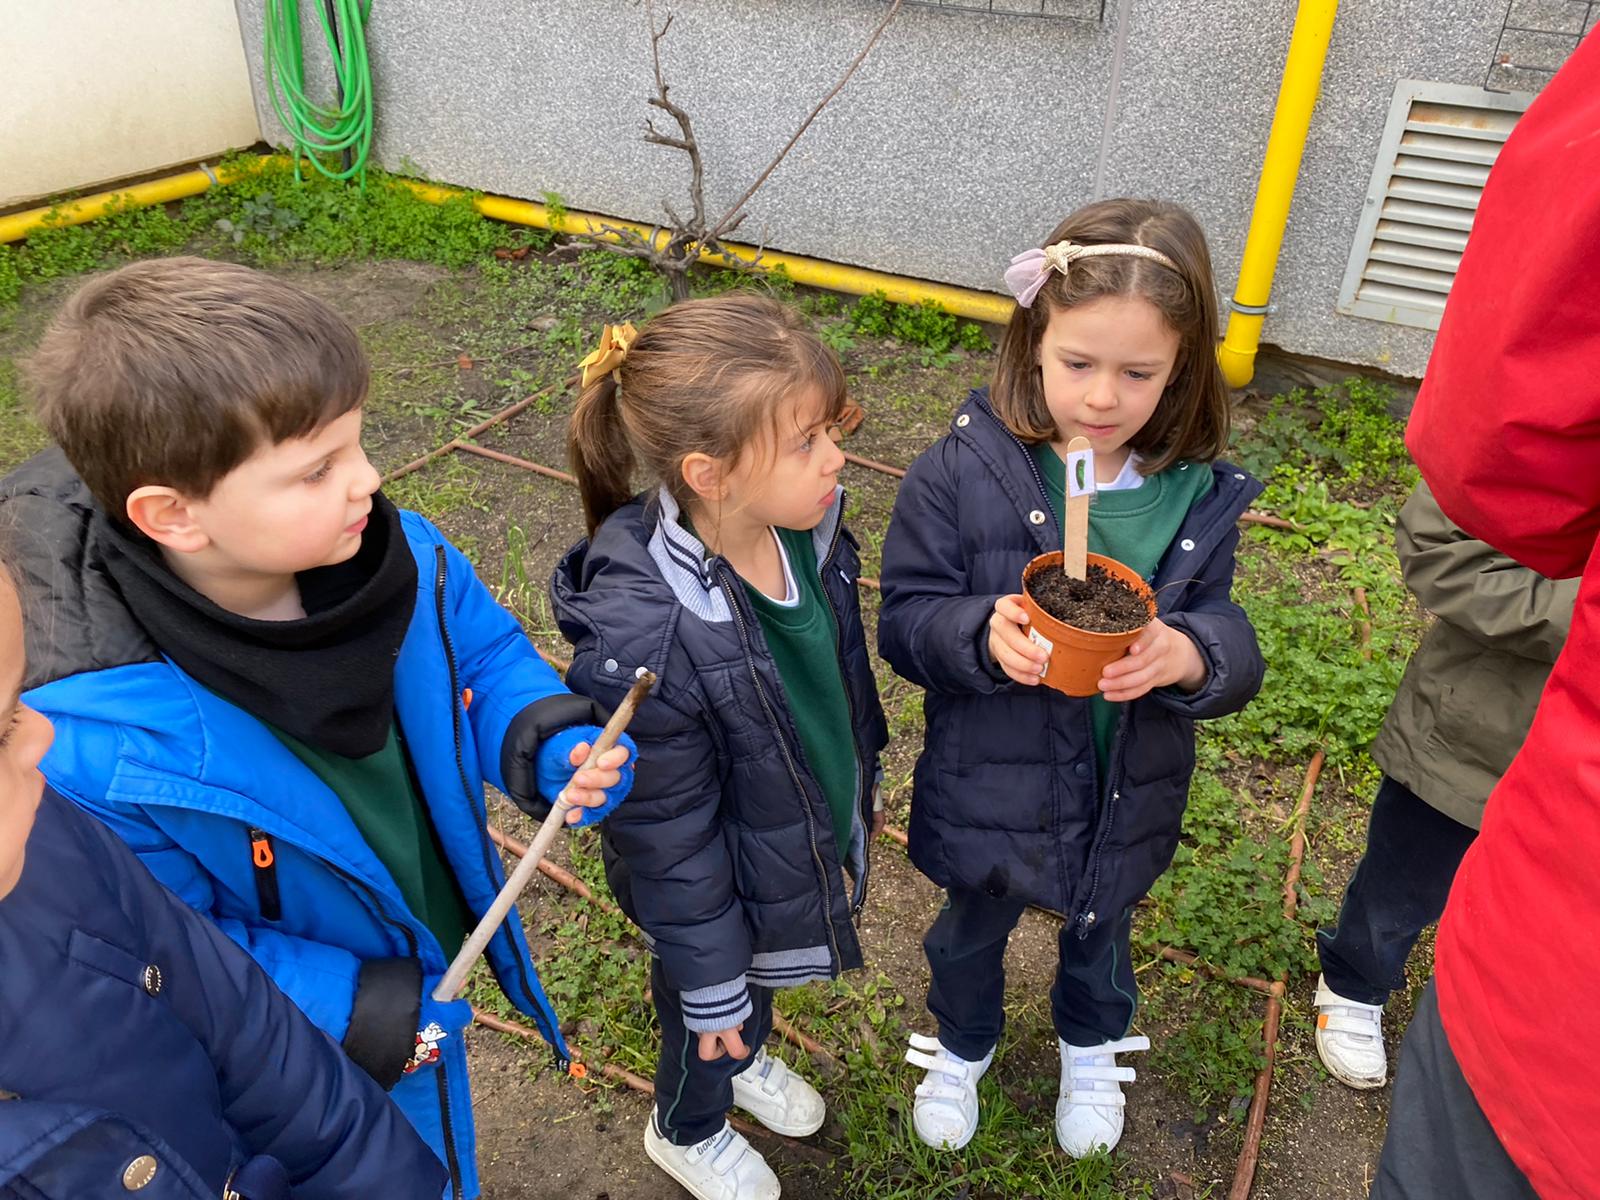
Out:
{"x": 1438, "y": 146}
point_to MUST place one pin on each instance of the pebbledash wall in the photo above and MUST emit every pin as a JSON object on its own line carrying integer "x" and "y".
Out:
{"x": 965, "y": 136}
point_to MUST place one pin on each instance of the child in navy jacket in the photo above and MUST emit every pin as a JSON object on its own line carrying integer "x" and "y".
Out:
{"x": 140, "y": 1050}
{"x": 1024, "y": 795}
{"x": 734, "y": 580}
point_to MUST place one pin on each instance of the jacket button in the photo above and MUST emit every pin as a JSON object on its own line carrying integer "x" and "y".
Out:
{"x": 963, "y": 421}
{"x": 1036, "y": 517}
{"x": 1082, "y": 770}
{"x": 1187, "y": 543}
{"x": 139, "y": 1172}
{"x": 611, "y": 665}
{"x": 152, "y": 980}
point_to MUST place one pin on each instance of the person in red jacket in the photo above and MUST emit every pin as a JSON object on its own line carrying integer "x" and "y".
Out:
{"x": 1497, "y": 1093}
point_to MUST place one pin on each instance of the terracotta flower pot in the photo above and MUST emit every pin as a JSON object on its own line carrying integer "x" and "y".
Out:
{"x": 1077, "y": 656}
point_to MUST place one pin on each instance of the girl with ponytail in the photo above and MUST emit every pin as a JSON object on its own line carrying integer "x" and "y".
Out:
{"x": 742, "y": 853}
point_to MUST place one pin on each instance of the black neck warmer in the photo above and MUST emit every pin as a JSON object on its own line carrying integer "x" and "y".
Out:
{"x": 327, "y": 679}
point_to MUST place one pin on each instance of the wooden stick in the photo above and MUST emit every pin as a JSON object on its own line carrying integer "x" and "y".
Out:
{"x": 1256, "y": 518}
{"x": 873, "y": 464}
{"x": 450, "y": 985}
{"x": 1080, "y": 492}
{"x": 512, "y": 460}
{"x": 505, "y": 414}
{"x": 1188, "y": 958}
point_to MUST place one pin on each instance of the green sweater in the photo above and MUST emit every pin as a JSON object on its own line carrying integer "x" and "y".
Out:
{"x": 804, "y": 641}
{"x": 1134, "y": 526}
{"x": 381, "y": 797}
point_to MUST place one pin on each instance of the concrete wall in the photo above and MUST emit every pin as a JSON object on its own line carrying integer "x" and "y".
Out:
{"x": 962, "y": 140}
{"x": 95, "y": 90}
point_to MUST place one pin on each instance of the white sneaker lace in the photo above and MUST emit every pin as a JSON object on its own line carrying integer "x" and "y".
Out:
{"x": 1092, "y": 1075}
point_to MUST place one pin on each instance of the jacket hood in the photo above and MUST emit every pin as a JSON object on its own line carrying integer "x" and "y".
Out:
{"x": 644, "y": 562}
{"x": 79, "y": 622}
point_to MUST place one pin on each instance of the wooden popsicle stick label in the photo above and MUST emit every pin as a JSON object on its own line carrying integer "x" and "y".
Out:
{"x": 1080, "y": 494}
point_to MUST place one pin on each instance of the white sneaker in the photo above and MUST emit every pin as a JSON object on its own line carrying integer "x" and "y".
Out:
{"x": 1089, "y": 1108}
{"x": 723, "y": 1167}
{"x": 1350, "y": 1039}
{"x": 945, "y": 1114}
{"x": 778, "y": 1098}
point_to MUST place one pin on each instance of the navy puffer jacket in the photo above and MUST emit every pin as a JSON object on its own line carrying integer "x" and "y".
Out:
{"x": 724, "y": 853}
{"x": 1008, "y": 798}
{"x": 142, "y": 1051}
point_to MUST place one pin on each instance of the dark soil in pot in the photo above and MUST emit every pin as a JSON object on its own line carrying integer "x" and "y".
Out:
{"x": 1101, "y": 603}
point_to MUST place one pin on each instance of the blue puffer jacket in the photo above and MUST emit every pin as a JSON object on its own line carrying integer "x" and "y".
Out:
{"x": 1007, "y": 796}
{"x": 138, "y": 1043}
{"x": 724, "y": 854}
{"x": 225, "y": 815}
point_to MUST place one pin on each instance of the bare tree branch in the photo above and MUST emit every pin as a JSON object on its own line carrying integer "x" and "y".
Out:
{"x": 687, "y": 142}
{"x": 688, "y": 241}
{"x": 721, "y": 226}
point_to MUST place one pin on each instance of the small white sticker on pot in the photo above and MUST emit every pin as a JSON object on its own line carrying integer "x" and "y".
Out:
{"x": 1039, "y": 639}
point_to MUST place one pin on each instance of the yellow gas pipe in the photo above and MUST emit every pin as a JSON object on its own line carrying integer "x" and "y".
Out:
{"x": 1297, "y": 96}
{"x": 138, "y": 195}
{"x": 813, "y": 272}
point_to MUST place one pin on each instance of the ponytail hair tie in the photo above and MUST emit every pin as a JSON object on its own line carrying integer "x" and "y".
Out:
{"x": 1029, "y": 270}
{"x": 615, "y": 341}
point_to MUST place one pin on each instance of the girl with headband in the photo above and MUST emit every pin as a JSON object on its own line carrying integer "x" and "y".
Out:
{"x": 1024, "y": 795}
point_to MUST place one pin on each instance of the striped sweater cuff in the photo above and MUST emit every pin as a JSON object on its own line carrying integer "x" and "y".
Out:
{"x": 715, "y": 1008}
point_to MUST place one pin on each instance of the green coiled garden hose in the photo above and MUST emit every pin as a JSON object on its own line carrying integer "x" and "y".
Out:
{"x": 334, "y": 140}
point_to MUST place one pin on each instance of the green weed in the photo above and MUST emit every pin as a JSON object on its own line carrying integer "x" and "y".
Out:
{"x": 438, "y": 489}
{"x": 1319, "y": 691}
{"x": 1344, "y": 432}
{"x": 1214, "y": 1045}
{"x": 926, "y": 325}
{"x": 1223, "y": 895}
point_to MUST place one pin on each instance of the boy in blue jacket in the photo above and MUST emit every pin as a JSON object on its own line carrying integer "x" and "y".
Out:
{"x": 282, "y": 692}
{"x": 141, "y": 1050}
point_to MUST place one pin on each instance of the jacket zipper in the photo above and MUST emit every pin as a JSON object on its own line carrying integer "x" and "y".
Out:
{"x": 452, "y": 1162}
{"x": 227, "y": 1186}
{"x": 264, "y": 861}
{"x": 863, "y": 787}
{"x": 794, "y": 772}
{"x": 1086, "y": 918}
{"x": 441, "y": 577}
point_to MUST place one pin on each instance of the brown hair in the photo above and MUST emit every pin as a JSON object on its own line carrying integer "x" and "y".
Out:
{"x": 174, "y": 371}
{"x": 704, "y": 375}
{"x": 1191, "y": 420}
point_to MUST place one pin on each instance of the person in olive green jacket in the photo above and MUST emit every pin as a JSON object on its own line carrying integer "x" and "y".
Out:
{"x": 1460, "y": 716}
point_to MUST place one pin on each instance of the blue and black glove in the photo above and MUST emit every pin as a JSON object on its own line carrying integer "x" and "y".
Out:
{"x": 553, "y": 768}
{"x": 536, "y": 756}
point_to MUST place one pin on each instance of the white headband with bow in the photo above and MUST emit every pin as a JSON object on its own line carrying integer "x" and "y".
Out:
{"x": 1028, "y": 270}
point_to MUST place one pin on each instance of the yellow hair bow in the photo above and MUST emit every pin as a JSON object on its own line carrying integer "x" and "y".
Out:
{"x": 614, "y": 344}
